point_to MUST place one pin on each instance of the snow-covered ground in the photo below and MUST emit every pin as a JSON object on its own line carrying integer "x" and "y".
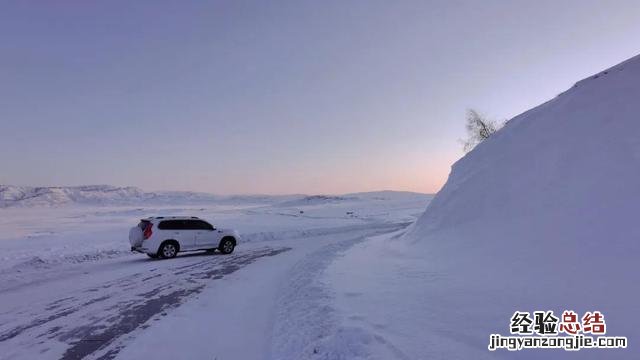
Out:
{"x": 70, "y": 288}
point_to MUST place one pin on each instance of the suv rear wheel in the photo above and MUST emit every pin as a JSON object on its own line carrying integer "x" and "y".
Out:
{"x": 168, "y": 250}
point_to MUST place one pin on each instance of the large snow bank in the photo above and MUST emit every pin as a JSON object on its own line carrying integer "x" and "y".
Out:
{"x": 541, "y": 216}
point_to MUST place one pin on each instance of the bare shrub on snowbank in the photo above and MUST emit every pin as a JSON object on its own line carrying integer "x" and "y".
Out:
{"x": 479, "y": 128}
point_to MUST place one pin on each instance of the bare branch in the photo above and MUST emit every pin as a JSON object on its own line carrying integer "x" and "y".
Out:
{"x": 478, "y": 129}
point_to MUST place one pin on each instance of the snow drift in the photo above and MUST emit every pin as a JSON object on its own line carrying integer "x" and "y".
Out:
{"x": 541, "y": 216}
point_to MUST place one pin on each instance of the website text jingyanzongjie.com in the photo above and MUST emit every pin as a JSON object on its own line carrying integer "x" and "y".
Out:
{"x": 571, "y": 343}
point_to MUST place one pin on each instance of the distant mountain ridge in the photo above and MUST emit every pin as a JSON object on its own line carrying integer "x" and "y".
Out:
{"x": 53, "y": 196}
{"x": 28, "y": 196}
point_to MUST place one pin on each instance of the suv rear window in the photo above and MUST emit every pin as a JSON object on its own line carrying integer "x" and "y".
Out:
{"x": 143, "y": 224}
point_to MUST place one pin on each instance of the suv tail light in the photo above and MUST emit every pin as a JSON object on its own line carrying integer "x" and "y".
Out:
{"x": 147, "y": 231}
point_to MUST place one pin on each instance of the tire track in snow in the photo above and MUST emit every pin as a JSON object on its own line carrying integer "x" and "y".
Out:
{"x": 305, "y": 305}
{"x": 97, "y": 327}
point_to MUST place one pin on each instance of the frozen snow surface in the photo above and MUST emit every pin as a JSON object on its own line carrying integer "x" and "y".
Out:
{"x": 71, "y": 289}
{"x": 541, "y": 216}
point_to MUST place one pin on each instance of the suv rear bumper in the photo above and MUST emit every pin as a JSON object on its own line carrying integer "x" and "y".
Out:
{"x": 139, "y": 249}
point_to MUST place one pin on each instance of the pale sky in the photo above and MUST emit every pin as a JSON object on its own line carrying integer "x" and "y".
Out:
{"x": 280, "y": 96}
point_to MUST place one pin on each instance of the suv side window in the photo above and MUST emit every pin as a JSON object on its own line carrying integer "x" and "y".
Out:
{"x": 205, "y": 225}
{"x": 197, "y": 225}
{"x": 190, "y": 225}
{"x": 171, "y": 225}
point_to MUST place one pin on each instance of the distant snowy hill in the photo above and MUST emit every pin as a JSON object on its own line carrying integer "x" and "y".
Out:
{"x": 388, "y": 194}
{"x": 25, "y": 196}
{"x": 541, "y": 216}
{"x": 316, "y": 200}
{"x": 55, "y": 196}
{"x": 310, "y": 200}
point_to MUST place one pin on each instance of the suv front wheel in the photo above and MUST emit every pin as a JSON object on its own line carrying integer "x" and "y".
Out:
{"x": 227, "y": 245}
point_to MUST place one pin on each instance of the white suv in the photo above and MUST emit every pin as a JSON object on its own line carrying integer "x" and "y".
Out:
{"x": 164, "y": 237}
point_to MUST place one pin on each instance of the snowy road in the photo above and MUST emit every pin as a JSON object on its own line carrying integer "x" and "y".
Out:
{"x": 70, "y": 289}
{"x": 122, "y": 298}
{"x": 96, "y": 310}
